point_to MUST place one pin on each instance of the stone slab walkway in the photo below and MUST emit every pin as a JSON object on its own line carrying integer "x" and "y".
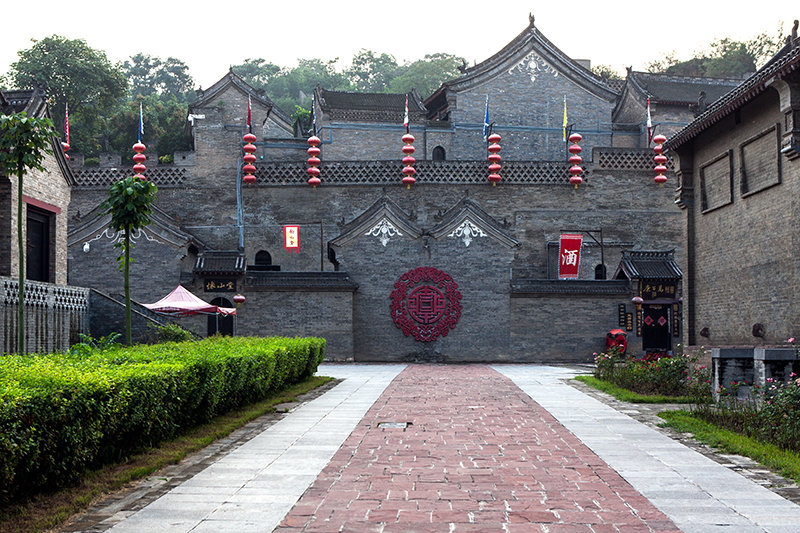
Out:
{"x": 478, "y": 455}
{"x": 252, "y": 488}
{"x": 504, "y": 448}
{"x": 698, "y": 494}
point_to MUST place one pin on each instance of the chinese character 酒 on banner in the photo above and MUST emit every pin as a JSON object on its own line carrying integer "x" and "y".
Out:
{"x": 291, "y": 238}
{"x": 569, "y": 256}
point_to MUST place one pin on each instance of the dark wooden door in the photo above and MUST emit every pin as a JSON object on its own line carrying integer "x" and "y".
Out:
{"x": 656, "y": 328}
{"x": 218, "y": 323}
{"x": 37, "y": 256}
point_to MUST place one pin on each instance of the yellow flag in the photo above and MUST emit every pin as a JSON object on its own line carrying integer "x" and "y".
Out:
{"x": 564, "y": 125}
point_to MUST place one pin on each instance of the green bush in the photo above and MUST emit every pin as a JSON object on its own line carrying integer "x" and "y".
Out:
{"x": 667, "y": 376}
{"x": 169, "y": 333}
{"x": 61, "y": 413}
{"x": 769, "y": 414}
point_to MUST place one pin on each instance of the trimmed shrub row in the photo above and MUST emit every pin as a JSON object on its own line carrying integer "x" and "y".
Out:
{"x": 61, "y": 413}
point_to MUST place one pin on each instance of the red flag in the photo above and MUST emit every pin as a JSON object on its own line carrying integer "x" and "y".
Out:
{"x": 249, "y": 116}
{"x": 569, "y": 256}
{"x": 405, "y": 116}
{"x": 66, "y": 121}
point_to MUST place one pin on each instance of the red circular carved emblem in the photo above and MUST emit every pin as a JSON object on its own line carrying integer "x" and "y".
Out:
{"x": 426, "y": 303}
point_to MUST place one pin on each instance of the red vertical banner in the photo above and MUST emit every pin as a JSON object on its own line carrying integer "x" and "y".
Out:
{"x": 569, "y": 256}
{"x": 291, "y": 238}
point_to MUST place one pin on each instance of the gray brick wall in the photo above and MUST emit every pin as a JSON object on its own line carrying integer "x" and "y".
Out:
{"x": 745, "y": 260}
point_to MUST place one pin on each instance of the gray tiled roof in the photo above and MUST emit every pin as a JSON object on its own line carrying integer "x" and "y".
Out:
{"x": 650, "y": 265}
{"x": 682, "y": 89}
{"x": 220, "y": 262}
{"x": 368, "y": 101}
{"x": 786, "y": 61}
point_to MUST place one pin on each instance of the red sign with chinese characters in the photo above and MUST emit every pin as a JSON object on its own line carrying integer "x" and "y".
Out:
{"x": 569, "y": 256}
{"x": 291, "y": 238}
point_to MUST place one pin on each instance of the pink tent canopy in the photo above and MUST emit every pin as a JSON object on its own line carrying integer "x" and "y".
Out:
{"x": 181, "y": 302}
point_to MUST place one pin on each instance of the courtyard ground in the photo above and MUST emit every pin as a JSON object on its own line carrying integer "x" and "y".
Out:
{"x": 423, "y": 448}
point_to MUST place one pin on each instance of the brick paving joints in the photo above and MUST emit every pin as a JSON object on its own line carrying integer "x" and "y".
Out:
{"x": 478, "y": 454}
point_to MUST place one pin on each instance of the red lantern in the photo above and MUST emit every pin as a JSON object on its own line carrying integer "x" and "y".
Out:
{"x": 660, "y": 160}
{"x": 65, "y": 146}
{"x": 314, "y": 161}
{"x": 249, "y": 158}
{"x": 239, "y": 300}
{"x": 408, "y": 161}
{"x": 575, "y": 160}
{"x": 494, "y": 158}
{"x": 139, "y": 158}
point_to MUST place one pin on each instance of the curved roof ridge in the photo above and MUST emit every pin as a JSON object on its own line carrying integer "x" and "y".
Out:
{"x": 787, "y": 60}
{"x": 231, "y": 78}
{"x": 531, "y": 36}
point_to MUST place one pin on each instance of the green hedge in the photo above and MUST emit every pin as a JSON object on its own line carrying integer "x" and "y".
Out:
{"x": 61, "y": 413}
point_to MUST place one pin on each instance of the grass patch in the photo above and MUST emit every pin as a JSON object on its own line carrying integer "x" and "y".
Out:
{"x": 628, "y": 396}
{"x": 785, "y": 462}
{"x": 47, "y": 511}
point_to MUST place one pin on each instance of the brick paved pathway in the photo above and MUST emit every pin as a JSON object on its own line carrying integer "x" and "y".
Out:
{"x": 478, "y": 455}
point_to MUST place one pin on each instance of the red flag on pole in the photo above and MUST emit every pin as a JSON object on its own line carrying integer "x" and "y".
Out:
{"x": 405, "y": 116}
{"x": 249, "y": 116}
{"x": 569, "y": 256}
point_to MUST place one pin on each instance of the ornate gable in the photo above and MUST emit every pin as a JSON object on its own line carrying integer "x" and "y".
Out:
{"x": 384, "y": 221}
{"x": 467, "y": 222}
{"x": 162, "y": 229}
{"x": 530, "y": 52}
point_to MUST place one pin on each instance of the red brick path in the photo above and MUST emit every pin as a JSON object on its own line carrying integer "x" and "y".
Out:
{"x": 479, "y": 455}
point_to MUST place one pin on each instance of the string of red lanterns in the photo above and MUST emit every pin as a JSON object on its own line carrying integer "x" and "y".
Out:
{"x": 660, "y": 160}
{"x": 575, "y": 160}
{"x": 408, "y": 161}
{"x": 314, "y": 161}
{"x": 249, "y": 158}
{"x": 494, "y": 158}
{"x": 139, "y": 158}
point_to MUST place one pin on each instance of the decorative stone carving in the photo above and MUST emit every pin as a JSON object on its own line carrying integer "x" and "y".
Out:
{"x": 384, "y": 230}
{"x": 117, "y": 236}
{"x": 426, "y": 303}
{"x": 467, "y": 231}
{"x": 534, "y": 66}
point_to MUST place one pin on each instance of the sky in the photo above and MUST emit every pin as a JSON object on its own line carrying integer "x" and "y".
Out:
{"x": 211, "y": 36}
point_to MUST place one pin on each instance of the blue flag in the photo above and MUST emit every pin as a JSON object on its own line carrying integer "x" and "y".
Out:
{"x": 486, "y": 121}
{"x": 141, "y": 123}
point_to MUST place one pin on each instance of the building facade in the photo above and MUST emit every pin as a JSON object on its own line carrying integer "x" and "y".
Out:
{"x": 449, "y": 269}
{"x": 739, "y": 170}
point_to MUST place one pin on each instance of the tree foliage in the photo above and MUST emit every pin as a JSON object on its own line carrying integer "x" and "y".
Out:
{"x": 725, "y": 58}
{"x": 24, "y": 142}
{"x": 369, "y": 71}
{"x": 103, "y": 106}
{"x": 151, "y": 75}
{"x": 427, "y": 74}
{"x": 129, "y": 203}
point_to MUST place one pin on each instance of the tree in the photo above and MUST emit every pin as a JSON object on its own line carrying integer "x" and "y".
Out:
{"x": 72, "y": 72}
{"x": 606, "y": 72}
{"x": 129, "y": 203}
{"x": 371, "y": 72}
{"x": 285, "y": 86}
{"x": 24, "y": 141}
{"x": 426, "y": 75}
{"x": 725, "y": 58}
{"x": 152, "y": 75}
{"x": 257, "y": 72}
